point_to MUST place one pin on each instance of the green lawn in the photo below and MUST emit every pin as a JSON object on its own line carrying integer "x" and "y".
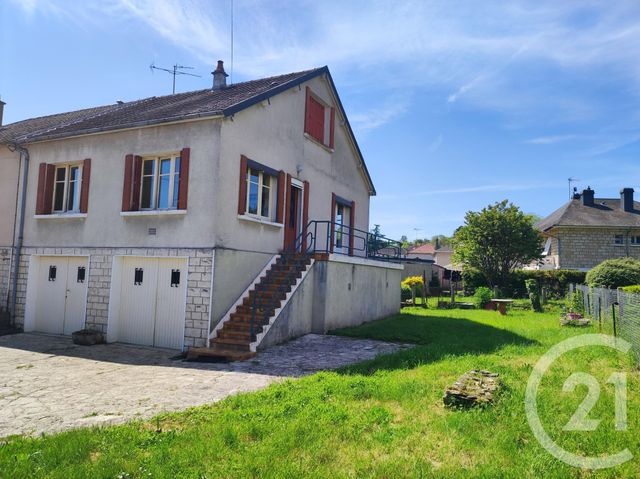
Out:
{"x": 382, "y": 418}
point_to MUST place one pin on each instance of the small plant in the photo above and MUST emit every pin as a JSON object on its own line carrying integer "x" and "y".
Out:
{"x": 533, "y": 290}
{"x": 482, "y": 297}
{"x": 575, "y": 302}
{"x": 405, "y": 292}
{"x": 415, "y": 285}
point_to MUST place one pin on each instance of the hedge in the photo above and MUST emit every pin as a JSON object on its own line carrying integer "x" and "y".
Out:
{"x": 614, "y": 273}
{"x": 554, "y": 281}
{"x": 631, "y": 289}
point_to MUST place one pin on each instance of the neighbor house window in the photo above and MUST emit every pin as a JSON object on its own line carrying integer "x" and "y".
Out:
{"x": 635, "y": 240}
{"x": 618, "y": 239}
{"x": 66, "y": 188}
{"x": 319, "y": 120}
{"x": 160, "y": 183}
{"x": 260, "y": 187}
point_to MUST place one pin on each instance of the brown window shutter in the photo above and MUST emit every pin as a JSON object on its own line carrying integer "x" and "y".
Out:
{"x": 332, "y": 125}
{"x": 128, "y": 183}
{"x": 84, "y": 191}
{"x": 280, "y": 205}
{"x": 242, "y": 195}
{"x": 137, "y": 180}
{"x": 42, "y": 178}
{"x": 352, "y": 225}
{"x": 307, "y": 111}
{"x": 333, "y": 221}
{"x": 305, "y": 215}
{"x": 183, "y": 184}
{"x": 48, "y": 189}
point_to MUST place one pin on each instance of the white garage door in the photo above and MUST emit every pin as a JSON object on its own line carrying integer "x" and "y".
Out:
{"x": 61, "y": 294}
{"x": 152, "y": 301}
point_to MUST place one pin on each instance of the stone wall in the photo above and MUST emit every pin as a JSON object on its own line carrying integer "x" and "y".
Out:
{"x": 99, "y": 286}
{"x": 584, "y": 248}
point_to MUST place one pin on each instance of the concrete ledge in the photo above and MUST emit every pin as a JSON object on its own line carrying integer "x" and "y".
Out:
{"x": 340, "y": 258}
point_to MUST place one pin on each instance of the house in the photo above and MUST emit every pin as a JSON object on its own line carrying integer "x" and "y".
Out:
{"x": 442, "y": 256}
{"x": 586, "y": 231}
{"x": 232, "y": 217}
{"x": 425, "y": 251}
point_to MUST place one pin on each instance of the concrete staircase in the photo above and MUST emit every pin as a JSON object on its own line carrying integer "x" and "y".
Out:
{"x": 234, "y": 338}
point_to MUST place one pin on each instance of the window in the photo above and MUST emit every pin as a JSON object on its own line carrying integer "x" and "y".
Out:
{"x": 259, "y": 193}
{"x": 339, "y": 225}
{"x": 618, "y": 239}
{"x": 319, "y": 120}
{"x": 635, "y": 240}
{"x": 66, "y": 191}
{"x": 160, "y": 183}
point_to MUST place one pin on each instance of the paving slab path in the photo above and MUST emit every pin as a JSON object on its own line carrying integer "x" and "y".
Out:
{"x": 48, "y": 384}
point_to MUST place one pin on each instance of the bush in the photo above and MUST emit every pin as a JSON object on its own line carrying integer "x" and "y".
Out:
{"x": 631, "y": 289}
{"x": 534, "y": 295}
{"x": 482, "y": 296}
{"x": 554, "y": 282}
{"x": 614, "y": 273}
{"x": 575, "y": 302}
{"x": 405, "y": 292}
{"x": 414, "y": 282}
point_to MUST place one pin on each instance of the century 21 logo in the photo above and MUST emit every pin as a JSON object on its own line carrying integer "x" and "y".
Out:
{"x": 580, "y": 420}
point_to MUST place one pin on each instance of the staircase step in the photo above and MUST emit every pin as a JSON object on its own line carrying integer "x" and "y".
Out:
{"x": 230, "y": 343}
{"x": 217, "y": 351}
{"x": 235, "y": 334}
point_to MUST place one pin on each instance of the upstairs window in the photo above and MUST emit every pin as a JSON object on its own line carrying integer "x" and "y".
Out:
{"x": 66, "y": 192}
{"x": 259, "y": 186}
{"x": 261, "y": 191}
{"x": 160, "y": 183}
{"x": 63, "y": 188}
{"x": 319, "y": 120}
{"x": 635, "y": 240}
{"x": 618, "y": 239}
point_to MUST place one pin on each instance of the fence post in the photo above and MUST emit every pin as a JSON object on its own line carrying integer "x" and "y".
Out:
{"x": 613, "y": 316}
{"x": 599, "y": 313}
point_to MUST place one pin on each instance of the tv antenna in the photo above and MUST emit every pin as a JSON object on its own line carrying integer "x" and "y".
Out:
{"x": 571, "y": 181}
{"x": 176, "y": 70}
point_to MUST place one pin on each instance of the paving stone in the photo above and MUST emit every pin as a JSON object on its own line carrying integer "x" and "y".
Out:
{"x": 48, "y": 384}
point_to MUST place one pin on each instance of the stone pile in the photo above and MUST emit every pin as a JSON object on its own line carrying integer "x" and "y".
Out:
{"x": 473, "y": 388}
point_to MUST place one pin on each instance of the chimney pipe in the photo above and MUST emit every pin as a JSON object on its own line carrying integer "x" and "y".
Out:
{"x": 626, "y": 199}
{"x": 2, "y": 104}
{"x": 587, "y": 197}
{"x": 219, "y": 76}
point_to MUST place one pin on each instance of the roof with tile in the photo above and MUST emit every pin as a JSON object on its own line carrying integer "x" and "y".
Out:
{"x": 426, "y": 248}
{"x": 605, "y": 212}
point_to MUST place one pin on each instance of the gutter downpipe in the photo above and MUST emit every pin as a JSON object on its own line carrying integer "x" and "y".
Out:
{"x": 24, "y": 157}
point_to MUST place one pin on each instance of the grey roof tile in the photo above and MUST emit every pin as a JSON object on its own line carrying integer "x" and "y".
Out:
{"x": 606, "y": 212}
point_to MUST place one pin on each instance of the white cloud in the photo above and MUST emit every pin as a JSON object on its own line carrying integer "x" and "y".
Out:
{"x": 549, "y": 140}
{"x": 380, "y": 115}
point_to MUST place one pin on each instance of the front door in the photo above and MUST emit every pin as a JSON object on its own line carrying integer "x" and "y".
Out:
{"x": 292, "y": 220}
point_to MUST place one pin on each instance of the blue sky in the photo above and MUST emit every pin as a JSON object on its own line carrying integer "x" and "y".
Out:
{"x": 455, "y": 104}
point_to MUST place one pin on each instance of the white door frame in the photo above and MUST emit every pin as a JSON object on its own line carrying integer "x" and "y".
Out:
{"x": 33, "y": 273}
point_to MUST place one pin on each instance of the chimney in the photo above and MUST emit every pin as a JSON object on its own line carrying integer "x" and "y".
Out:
{"x": 626, "y": 199}
{"x": 587, "y": 197}
{"x": 219, "y": 77}
{"x": 2, "y": 104}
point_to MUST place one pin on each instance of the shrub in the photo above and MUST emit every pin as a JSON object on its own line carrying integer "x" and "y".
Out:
{"x": 554, "y": 282}
{"x": 631, "y": 289}
{"x": 614, "y": 273}
{"x": 482, "y": 296}
{"x": 405, "y": 292}
{"x": 575, "y": 302}
{"x": 534, "y": 295}
{"x": 414, "y": 282}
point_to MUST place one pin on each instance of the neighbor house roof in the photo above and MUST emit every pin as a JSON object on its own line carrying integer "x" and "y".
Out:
{"x": 163, "y": 109}
{"x": 423, "y": 249}
{"x": 605, "y": 212}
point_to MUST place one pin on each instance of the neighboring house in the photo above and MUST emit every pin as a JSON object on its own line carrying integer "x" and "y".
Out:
{"x": 442, "y": 256}
{"x": 425, "y": 251}
{"x": 158, "y": 221}
{"x": 587, "y": 230}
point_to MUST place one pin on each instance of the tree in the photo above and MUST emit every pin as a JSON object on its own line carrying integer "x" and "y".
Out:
{"x": 496, "y": 240}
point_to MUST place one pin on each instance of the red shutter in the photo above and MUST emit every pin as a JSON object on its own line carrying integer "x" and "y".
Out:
{"x": 242, "y": 191}
{"x": 42, "y": 177}
{"x": 128, "y": 183}
{"x": 333, "y": 221}
{"x": 84, "y": 191}
{"x": 48, "y": 189}
{"x": 183, "y": 185}
{"x": 314, "y": 117}
{"x": 307, "y": 111}
{"x": 352, "y": 225}
{"x": 280, "y": 203}
{"x": 137, "y": 180}
{"x": 332, "y": 125}
{"x": 305, "y": 215}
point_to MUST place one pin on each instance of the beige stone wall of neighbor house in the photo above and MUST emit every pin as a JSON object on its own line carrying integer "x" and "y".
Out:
{"x": 100, "y": 285}
{"x": 272, "y": 133}
{"x": 9, "y": 171}
{"x": 104, "y": 225}
{"x": 584, "y": 248}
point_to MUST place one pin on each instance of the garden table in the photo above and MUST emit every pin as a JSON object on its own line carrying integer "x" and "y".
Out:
{"x": 501, "y": 305}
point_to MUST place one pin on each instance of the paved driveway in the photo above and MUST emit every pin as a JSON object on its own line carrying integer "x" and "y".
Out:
{"x": 48, "y": 384}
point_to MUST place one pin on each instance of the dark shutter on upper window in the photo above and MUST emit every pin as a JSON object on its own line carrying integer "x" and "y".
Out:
{"x": 50, "y": 172}
{"x": 42, "y": 178}
{"x": 332, "y": 126}
{"x": 137, "y": 180}
{"x": 280, "y": 205}
{"x": 183, "y": 182}
{"x": 314, "y": 117}
{"x": 242, "y": 191}
{"x": 84, "y": 192}
{"x": 128, "y": 183}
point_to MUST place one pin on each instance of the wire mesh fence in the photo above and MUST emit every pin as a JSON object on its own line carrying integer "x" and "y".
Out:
{"x": 615, "y": 312}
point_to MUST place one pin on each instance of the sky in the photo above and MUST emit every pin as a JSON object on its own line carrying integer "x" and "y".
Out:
{"x": 455, "y": 104}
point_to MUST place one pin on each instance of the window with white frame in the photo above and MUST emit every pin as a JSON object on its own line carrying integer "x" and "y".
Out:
{"x": 160, "y": 182}
{"x": 635, "y": 240}
{"x": 66, "y": 188}
{"x": 260, "y": 193}
{"x": 618, "y": 239}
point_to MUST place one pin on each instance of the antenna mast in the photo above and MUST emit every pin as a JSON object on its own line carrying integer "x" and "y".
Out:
{"x": 231, "y": 73}
{"x": 175, "y": 71}
{"x": 571, "y": 180}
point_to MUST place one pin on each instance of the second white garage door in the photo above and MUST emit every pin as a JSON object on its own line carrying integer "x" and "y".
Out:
{"x": 152, "y": 301}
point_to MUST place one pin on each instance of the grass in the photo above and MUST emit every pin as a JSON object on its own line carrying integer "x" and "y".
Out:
{"x": 382, "y": 418}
